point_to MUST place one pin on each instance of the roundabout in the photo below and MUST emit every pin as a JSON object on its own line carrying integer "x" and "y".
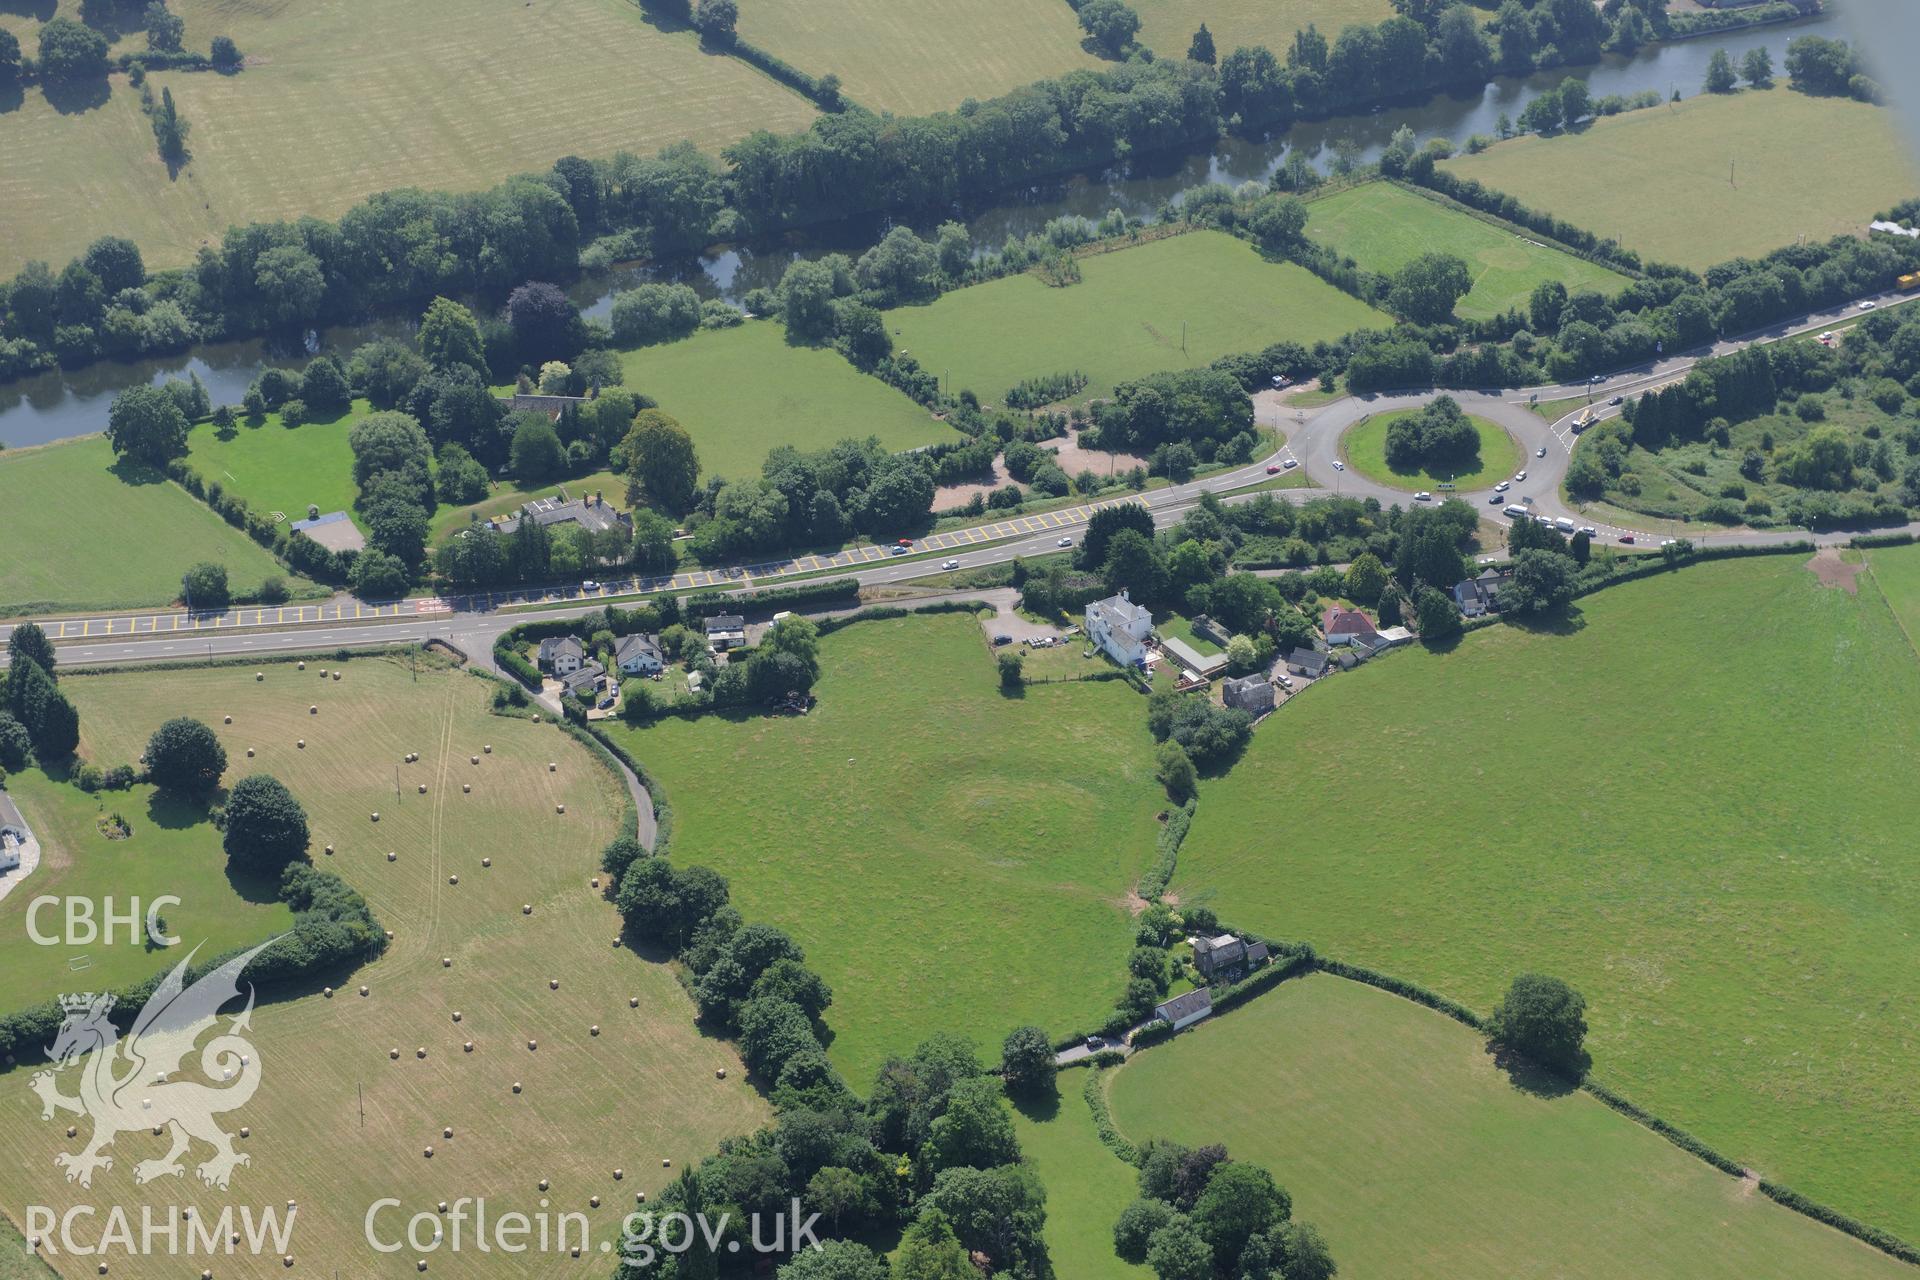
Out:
{"x": 1497, "y": 457}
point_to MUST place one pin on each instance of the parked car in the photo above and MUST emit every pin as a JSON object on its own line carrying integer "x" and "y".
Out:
{"x": 1596, "y": 379}
{"x": 949, "y": 564}
{"x": 904, "y": 542}
{"x": 1064, "y": 542}
{"x": 1000, "y": 640}
{"x": 1423, "y": 496}
{"x": 589, "y": 585}
{"x": 607, "y": 701}
{"x": 1095, "y": 1043}
{"x": 896, "y": 550}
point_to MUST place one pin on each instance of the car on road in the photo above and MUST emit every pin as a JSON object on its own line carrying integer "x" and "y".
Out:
{"x": 1517, "y": 512}
{"x": 1519, "y": 477}
{"x": 949, "y": 564}
{"x": 1541, "y": 452}
{"x": 1868, "y": 305}
{"x": 1563, "y": 524}
{"x": 1616, "y": 401}
{"x": 1667, "y": 542}
{"x": 1339, "y": 465}
{"x": 896, "y": 550}
{"x": 1273, "y": 468}
{"x": 1627, "y": 538}
{"x": 1290, "y": 463}
{"x": 1495, "y": 499}
{"x": 1503, "y": 486}
{"x": 1002, "y": 640}
{"x": 1596, "y": 379}
{"x": 1589, "y": 530}
{"x": 1064, "y": 542}
{"x": 1423, "y": 496}
{"x": 1545, "y": 521}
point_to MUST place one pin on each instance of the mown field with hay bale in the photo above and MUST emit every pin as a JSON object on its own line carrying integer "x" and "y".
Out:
{"x": 338, "y": 1124}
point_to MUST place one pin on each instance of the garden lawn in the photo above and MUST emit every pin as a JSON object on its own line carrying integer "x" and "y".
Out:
{"x": 1087, "y": 1184}
{"x": 1167, "y": 26}
{"x": 86, "y": 532}
{"x": 1691, "y": 802}
{"x": 1657, "y": 179}
{"x": 343, "y": 99}
{"x": 742, "y": 391}
{"x": 912, "y": 57}
{"x": 1124, "y": 319}
{"x": 1384, "y": 226}
{"x": 1417, "y": 1157}
{"x": 951, "y": 858}
{"x": 278, "y": 468}
{"x": 1365, "y": 449}
{"x": 589, "y": 1104}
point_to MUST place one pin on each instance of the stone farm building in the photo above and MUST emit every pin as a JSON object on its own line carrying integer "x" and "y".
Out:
{"x": 591, "y": 512}
{"x": 1251, "y": 694}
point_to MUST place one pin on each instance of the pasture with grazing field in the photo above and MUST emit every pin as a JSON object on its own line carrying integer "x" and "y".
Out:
{"x": 1365, "y": 449}
{"x": 280, "y": 468}
{"x": 642, "y": 1091}
{"x": 913, "y": 57}
{"x": 85, "y": 531}
{"x": 343, "y": 99}
{"x": 1167, "y": 26}
{"x": 952, "y": 859}
{"x": 1714, "y": 177}
{"x": 1384, "y": 226}
{"x": 1125, "y": 318}
{"x": 1087, "y": 1184}
{"x": 1691, "y": 802}
{"x": 741, "y": 391}
{"x": 1398, "y": 1136}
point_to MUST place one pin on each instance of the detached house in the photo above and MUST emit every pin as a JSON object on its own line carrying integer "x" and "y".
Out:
{"x": 1121, "y": 628}
{"x": 639, "y": 655}
{"x": 1186, "y": 1009}
{"x": 562, "y": 655}
{"x": 1346, "y": 626}
{"x": 1480, "y": 596}
{"x": 1251, "y": 694}
{"x": 1221, "y": 954}
{"x": 726, "y": 631}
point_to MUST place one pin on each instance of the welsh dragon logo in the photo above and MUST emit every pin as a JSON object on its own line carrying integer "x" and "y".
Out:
{"x": 127, "y": 1085}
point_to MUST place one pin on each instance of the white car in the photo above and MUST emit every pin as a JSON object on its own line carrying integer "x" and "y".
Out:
{"x": 1541, "y": 452}
{"x": 1339, "y": 465}
{"x": 1064, "y": 542}
{"x": 589, "y": 585}
{"x": 1520, "y": 477}
{"x": 1868, "y": 305}
{"x": 1423, "y": 496}
{"x": 1589, "y": 530}
{"x": 1503, "y": 486}
{"x": 1666, "y": 542}
{"x": 949, "y": 564}
{"x": 1289, "y": 464}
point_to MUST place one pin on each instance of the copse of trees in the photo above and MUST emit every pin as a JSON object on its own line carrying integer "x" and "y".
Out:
{"x": 1438, "y": 435}
{"x": 71, "y": 51}
{"x": 263, "y": 826}
{"x": 36, "y": 710}
{"x": 1201, "y": 1214}
{"x": 183, "y": 755}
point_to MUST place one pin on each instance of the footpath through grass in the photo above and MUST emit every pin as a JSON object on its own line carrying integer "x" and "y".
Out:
{"x": 1127, "y": 317}
{"x": 1714, "y": 177}
{"x": 1691, "y": 801}
{"x": 641, "y": 1091}
{"x": 1365, "y": 449}
{"x": 952, "y": 858}
{"x": 1418, "y": 1157}
{"x": 1384, "y": 226}
{"x": 740, "y": 392}
{"x": 82, "y": 531}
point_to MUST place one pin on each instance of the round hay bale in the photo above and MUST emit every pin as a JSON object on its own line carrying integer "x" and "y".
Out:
{"x": 423, "y": 788}
{"x": 301, "y": 743}
{"x": 596, "y": 882}
{"x": 428, "y": 1153}
{"x": 552, "y": 766}
{"x": 446, "y": 962}
{"x": 421, "y": 1052}
{"x": 536, "y": 719}
{"x": 526, "y": 908}
{"x": 575, "y": 1251}
{"x": 363, "y": 991}
{"x": 616, "y": 944}
{"x": 553, "y": 984}
{"x": 456, "y": 1015}
{"x": 389, "y": 935}
{"x": 666, "y": 1164}
{"x": 392, "y": 856}
{"x": 246, "y": 1132}
{"x": 639, "y": 1197}
{"x": 393, "y": 1054}
{"x": 313, "y": 710}
{"x": 532, "y": 1045}
{"x": 376, "y": 815}
{"x": 447, "y": 1132}
{"x": 453, "y": 879}
{"x": 594, "y": 1030}
{"x": 516, "y": 1086}
{"x": 543, "y": 1184}
{"x": 486, "y": 862}
{"x": 621, "y": 1173}
{"x": 226, "y": 719}
{"x": 323, "y": 673}
{"x": 720, "y": 1073}
{"x": 336, "y": 677}
{"x": 633, "y": 1002}
{"x": 559, "y": 808}
{"x": 329, "y": 851}
{"x": 301, "y": 665}
{"x": 474, "y": 759}
{"x": 259, "y": 675}
{"x": 468, "y": 1046}
{"x": 249, "y": 753}
{"x": 103, "y": 1268}
{"x": 287, "y": 1261}
{"x": 488, "y": 749}
{"x": 326, "y": 991}
{"x": 73, "y": 1131}
{"x": 420, "y": 1265}
{"x": 593, "y": 1202}
{"x": 466, "y": 788}
{"x": 443, "y": 1206}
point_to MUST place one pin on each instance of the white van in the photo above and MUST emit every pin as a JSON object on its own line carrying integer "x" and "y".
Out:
{"x": 1563, "y": 525}
{"x": 1517, "y": 512}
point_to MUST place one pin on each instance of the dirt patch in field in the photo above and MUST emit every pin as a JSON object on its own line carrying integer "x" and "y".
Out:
{"x": 1074, "y": 459}
{"x": 1834, "y": 572}
{"x": 949, "y": 496}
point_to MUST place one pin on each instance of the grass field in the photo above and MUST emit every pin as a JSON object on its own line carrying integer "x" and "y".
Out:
{"x": 343, "y": 98}
{"x": 912, "y": 57}
{"x": 1087, "y": 1185}
{"x": 1802, "y": 166}
{"x": 590, "y": 1103}
{"x": 1383, "y": 227}
{"x": 951, "y": 858}
{"x": 1690, "y": 803}
{"x": 1417, "y": 1157}
{"x": 744, "y": 390}
{"x": 277, "y": 469}
{"x": 1365, "y": 449}
{"x": 79, "y": 535}
{"x": 1167, "y": 26}
{"x": 1126, "y": 316}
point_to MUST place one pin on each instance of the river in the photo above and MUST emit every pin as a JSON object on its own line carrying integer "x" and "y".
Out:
{"x": 61, "y": 404}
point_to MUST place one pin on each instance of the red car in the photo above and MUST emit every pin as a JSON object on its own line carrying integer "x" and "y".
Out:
{"x": 1274, "y": 470}
{"x": 906, "y": 542}
{"x": 1626, "y": 537}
